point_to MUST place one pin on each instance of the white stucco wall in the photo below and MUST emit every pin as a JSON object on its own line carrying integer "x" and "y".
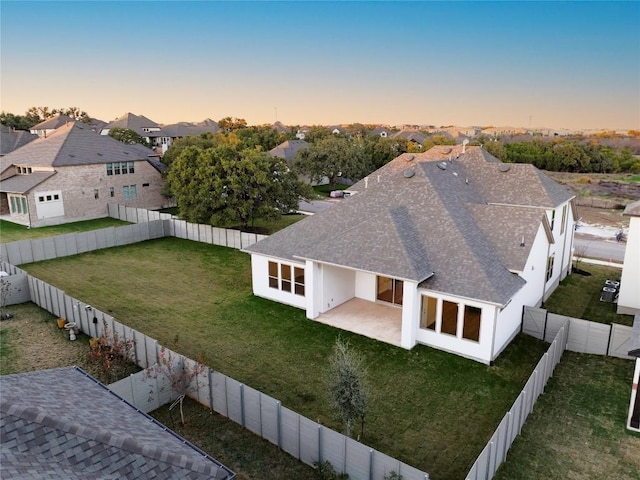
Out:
{"x": 260, "y": 282}
{"x": 629, "y": 297}
{"x": 479, "y": 351}
{"x": 338, "y": 286}
{"x": 366, "y": 286}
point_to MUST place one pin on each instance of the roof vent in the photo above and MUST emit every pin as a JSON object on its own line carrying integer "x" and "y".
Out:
{"x": 455, "y": 174}
{"x": 99, "y": 154}
{"x": 504, "y": 167}
{"x": 71, "y": 155}
{"x": 409, "y": 158}
{"x": 448, "y": 151}
{"x": 126, "y": 153}
{"x": 408, "y": 173}
{"x": 442, "y": 165}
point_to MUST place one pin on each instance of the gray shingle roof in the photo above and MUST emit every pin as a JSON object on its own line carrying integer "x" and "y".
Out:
{"x": 136, "y": 123}
{"x": 24, "y": 183}
{"x": 62, "y": 423}
{"x": 411, "y": 135}
{"x": 11, "y": 139}
{"x": 185, "y": 129}
{"x": 53, "y": 123}
{"x": 435, "y": 227}
{"x": 288, "y": 149}
{"x": 76, "y": 144}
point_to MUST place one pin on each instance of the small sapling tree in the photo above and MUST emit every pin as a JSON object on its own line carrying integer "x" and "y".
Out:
{"x": 347, "y": 385}
{"x": 178, "y": 373}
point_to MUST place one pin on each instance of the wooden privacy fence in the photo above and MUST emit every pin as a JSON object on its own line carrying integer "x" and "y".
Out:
{"x": 263, "y": 415}
{"x": 495, "y": 452}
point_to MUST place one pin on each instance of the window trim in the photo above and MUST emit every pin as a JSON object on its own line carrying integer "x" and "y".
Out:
{"x": 291, "y": 283}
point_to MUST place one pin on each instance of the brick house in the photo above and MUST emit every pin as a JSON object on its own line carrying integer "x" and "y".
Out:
{"x": 72, "y": 175}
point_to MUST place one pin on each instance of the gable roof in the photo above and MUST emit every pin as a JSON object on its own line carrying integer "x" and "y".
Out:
{"x": 411, "y": 136}
{"x": 76, "y": 144}
{"x": 185, "y": 129}
{"x": 137, "y": 123}
{"x": 11, "y": 139}
{"x": 53, "y": 123}
{"x": 414, "y": 220}
{"x": 288, "y": 149}
{"x": 62, "y": 423}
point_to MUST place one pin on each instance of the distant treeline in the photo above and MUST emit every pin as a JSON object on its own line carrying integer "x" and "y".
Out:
{"x": 565, "y": 155}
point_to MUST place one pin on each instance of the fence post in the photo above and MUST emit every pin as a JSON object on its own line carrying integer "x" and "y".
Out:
{"x": 210, "y": 388}
{"x": 279, "y": 417}
{"x": 242, "y": 403}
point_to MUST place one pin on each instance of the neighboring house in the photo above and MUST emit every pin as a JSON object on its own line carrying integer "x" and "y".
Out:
{"x": 633, "y": 418}
{"x": 413, "y": 136}
{"x": 47, "y": 127}
{"x": 380, "y": 131}
{"x": 73, "y": 174}
{"x": 288, "y": 149}
{"x": 441, "y": 248}
{"x": 11, "y": 139}
{"x": 629, "y": 296}
{"x": 281, "y": 127}
{"x": 170, "y": 133}
{"x": 338, "y": 130}
{"x": 302, "y": 133}
{"x": 147, "y": 129}
{"x": 63, "y": 423}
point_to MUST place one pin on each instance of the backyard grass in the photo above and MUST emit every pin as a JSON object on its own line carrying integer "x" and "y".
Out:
{"x": 245, "y": 453}
{"x": 325, "y": 190}
{"x": 31, "y": 341}
{"x": 577, "y": 428}
{"x": 11, "y": 232}
{"x": 578, "y": 296}
{"x": 430, "y": 409}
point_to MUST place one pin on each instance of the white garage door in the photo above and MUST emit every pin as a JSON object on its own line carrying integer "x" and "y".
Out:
{"x": 49, "y": 204}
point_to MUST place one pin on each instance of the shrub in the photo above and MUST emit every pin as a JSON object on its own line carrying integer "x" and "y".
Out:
{"x": 327, "y": 472}
{"x": 110, "y": 355}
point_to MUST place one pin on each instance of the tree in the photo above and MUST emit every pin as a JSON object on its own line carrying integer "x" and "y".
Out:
{"x": 317, "y": 133}
{"x": 332, "y": 158}
{"x": 346, "y": 385}
{"x": 203, "y": 141}
{"x": 229, "y": 124}
{"x": 381, "y": 151}
{"x": 180, "y": 375}
{"x": 18, "y": 122}
{"x": 128, "y": 136}
{"x": 223, "y": 186}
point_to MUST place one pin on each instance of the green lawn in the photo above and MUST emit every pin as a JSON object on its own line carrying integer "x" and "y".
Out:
{"x": 577, "y": 428}
{"x": 430, "y": 409}
{"x": 578, "y": 296}
{"x": 325, "y": 190}
{"x": 11, "y": 232}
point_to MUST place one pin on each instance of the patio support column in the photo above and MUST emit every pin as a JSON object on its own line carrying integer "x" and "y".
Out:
{"x": 410, "y": 315}
{"x": 313, "y": 288}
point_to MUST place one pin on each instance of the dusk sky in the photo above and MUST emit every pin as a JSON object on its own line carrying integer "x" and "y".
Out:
{"x": 540, "y": 64}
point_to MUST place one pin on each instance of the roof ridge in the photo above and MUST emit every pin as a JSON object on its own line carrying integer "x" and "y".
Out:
{"x": 120, "y": 441}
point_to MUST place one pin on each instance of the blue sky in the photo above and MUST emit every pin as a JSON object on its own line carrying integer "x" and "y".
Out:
{"x": 553, "y": 64}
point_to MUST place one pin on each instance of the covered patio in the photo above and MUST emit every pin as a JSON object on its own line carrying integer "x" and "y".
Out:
{"x": 373, "y": 320}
